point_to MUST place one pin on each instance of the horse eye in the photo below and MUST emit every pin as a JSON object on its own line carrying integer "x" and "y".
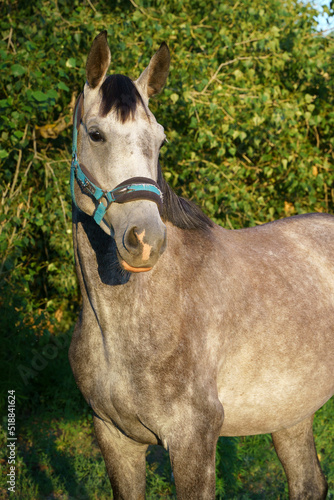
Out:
{"x": 96, "y": 136}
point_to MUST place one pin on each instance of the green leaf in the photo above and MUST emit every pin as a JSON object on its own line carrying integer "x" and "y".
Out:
{"x": 71, "y": 62}
{"x": 39, "y": 96}
{"x": 309, "y": 98}
{"x": 4, "y": 103}
{"x": 52, "y": 94}
{"x": 17, "y": 70}
{"x": 63, "y": 86}
{"x": 3, "y": 154}
{"x": 18, "y": 134}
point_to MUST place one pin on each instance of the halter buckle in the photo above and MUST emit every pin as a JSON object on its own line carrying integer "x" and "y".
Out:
{"x": 87, "y": 186}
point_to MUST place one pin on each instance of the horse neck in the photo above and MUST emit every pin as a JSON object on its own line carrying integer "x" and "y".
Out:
{"x": 133, "y": 309}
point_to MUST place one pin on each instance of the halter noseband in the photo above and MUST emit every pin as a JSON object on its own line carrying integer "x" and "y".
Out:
{"x": 136, "y": 188}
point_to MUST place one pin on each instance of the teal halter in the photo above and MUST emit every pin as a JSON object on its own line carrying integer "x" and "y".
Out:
{"x": 136, "y": 188}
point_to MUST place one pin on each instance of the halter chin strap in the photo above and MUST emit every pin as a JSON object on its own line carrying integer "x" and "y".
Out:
{"x": 135, "y": 188}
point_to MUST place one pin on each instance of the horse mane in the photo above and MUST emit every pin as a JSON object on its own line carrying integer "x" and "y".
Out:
{"x": 180, "y": 212}
{"x": 119, "y": 92}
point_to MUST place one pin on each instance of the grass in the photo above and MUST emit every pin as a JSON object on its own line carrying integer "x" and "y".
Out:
{"x": 58, "y": 456}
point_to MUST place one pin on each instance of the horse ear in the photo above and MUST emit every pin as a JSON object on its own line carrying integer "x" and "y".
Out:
{"x": 154, "y": 77}
{"x": 98, "y": 60}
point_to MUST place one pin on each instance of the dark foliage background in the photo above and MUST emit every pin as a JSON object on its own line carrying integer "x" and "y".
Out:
{"x": 248, "y": 112}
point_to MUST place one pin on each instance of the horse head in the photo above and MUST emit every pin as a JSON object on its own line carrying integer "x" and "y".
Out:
{"x": 116, "y": 143}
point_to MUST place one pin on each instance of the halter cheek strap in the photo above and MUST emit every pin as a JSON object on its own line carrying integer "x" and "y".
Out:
{"x": 135, "y": 188}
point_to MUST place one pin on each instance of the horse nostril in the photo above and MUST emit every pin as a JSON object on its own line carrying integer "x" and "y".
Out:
{"x": 132, "y": 238}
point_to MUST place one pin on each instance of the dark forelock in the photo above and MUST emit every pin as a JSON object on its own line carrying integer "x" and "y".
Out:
{"x": 119, "y": 93}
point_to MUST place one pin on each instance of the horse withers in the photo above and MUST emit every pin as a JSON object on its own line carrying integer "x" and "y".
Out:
{"x": 189, "y": 331}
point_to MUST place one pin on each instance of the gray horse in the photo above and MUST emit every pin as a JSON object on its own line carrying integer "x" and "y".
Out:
{"x": 189, "y": 331}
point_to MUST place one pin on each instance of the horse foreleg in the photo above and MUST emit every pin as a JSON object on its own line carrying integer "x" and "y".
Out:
{"x": 125, "y": 460}
{"x": 296, "y": 450}
{"x": 193, "y": 464}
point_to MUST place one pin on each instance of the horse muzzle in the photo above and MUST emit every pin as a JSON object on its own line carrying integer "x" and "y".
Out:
{"x": 143, "y": 239}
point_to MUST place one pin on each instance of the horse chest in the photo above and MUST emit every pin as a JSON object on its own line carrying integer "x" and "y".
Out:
{"x": 131, "y": 375}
